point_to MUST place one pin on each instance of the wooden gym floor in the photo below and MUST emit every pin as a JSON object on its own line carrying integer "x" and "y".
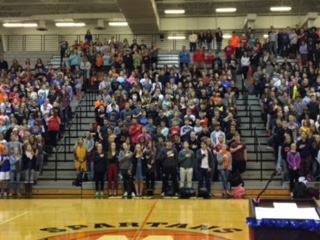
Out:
{"x": 118, "y": 219}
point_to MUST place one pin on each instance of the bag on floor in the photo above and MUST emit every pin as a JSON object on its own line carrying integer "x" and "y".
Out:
{"x": 239, "y": 192}
{"x": 235, "y": 179}
{"x": 300, "y": 191}
{"x": 170, "y": 191}
{"x": 313, "y": 192}
{"x": 81, "y": 177}
{"x": 204, "y": 193}
{"x": 186, "y": 193}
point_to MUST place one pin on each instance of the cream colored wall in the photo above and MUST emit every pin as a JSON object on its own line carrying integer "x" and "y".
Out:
{"x": 53, "y": 30}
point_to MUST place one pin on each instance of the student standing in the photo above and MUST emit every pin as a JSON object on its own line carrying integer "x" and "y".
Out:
{"x": 125, "y": 156}
{"x": 4, "y": 172}
{"x": 113, "y": 171}
{"x": 186, "y": 160}
{"x": 100, "y": 163}
{"x": 138, "y": 169}
{"x": 28, "y": 166}
{"x": 294, "y": 164}
{"x": 149, "y": 153}
{"x": 224, "y": 159}
{"x": 15, "y": 171}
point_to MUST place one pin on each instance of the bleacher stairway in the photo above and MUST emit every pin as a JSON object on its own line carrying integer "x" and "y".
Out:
{"x": 84, "y": 115}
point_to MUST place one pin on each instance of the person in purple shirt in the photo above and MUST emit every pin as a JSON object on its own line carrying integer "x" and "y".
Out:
{"x": 294, "y": 162}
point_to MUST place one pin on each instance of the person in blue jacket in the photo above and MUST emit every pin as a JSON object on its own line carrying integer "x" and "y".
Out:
{"x": 74, "y": 59}
{"x": 4, "y": 172}
{"x": 184, "y": 57}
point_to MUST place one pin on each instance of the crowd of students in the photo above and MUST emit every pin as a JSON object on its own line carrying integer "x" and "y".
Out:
{"x": 177, "y": 124}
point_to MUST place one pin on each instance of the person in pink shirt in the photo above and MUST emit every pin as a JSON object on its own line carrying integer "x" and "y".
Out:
{"x": 199, "y": 57}
{"x": 145, "y": 135}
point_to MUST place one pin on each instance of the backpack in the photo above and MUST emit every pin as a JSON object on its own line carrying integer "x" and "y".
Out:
{"x": 313, "y": 192}
{"x": 203, "y": 193}
{"x": 239, "y": 192}
{"x": 170, "y": 191}
{"x": 81, "y": 177}
{"x": 300, "y": 191}
{"x": 186, "y": 193}
{"x": 235, "y": 179}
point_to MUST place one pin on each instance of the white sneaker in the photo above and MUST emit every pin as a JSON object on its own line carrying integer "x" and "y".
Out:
{"x": 5, "y": 194}
{"x": 133, "y": 195}
{"x": 125, "y": 194}
{"x": 291, "y": 194}
{"x": 163, "y": 194}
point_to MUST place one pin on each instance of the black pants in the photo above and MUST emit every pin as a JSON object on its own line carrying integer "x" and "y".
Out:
{"x": 150, "y": 180}
{"x": 173, "y": 173}
{"x": 159, "y": 170}
{"x": 125, "y": 178}
{"x": 52, "y": 138}
{"x": 203, "y": 174}
{"x": 293, "y": 177}
{"x": 245, "y": 70}
{"x": 99, "y": 180}
{"x": 62, "y": 52}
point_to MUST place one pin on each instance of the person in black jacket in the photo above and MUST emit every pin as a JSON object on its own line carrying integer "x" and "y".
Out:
{"x": 206, "y": 161}
{"x": 100, "y": 164}
{"x": 169, "y": 158}
{"x": 28, "y": 166}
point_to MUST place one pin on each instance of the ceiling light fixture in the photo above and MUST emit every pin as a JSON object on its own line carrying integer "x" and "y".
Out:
{"x": 280, "y": 9}
{"x": 118, "y": 24}
{"x": 20, "y": 25}
{"x": 69, "y": 24}
{"x": 225, "y": 10}
{"x": 226, "y": 36}
{"x": 174, "y": 11}
{"x": 176, "y": 37}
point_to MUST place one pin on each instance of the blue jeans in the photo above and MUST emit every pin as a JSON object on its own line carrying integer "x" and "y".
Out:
{"x": 203, "y": 174}
{"x": 193, "y": 46}
{"x": 28, "y": 176}
{"x": 219, "y": 46}
{"x": 209, "y": 45}
{"x": 272, "y": 47}
{"x": 14, "y": 180}
{"x": 224, "y": 174}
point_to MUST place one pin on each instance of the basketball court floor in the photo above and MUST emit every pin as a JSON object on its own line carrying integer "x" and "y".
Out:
{"x": 117, "y": 219}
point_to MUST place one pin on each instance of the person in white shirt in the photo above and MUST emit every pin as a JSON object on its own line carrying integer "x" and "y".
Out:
{"x": 205, "y": 165}
{"x": 193, "y": 37}
{"x": 245, "y": 63}
{"x": 214, "y": 136}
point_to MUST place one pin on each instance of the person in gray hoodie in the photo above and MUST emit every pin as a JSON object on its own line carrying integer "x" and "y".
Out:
{"x": 169, "y": 158}
{"x": 125, "y": 156}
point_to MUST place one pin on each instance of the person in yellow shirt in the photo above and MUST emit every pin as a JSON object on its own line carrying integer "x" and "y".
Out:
{"x": 80, "y": 156}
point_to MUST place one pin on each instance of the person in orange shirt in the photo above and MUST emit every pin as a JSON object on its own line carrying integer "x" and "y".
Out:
{"x": 99, "y": 62}
{"x": 3, "y": 95}
{"x": 235, "y": 41}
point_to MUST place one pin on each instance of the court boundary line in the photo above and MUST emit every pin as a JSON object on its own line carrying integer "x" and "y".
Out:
{"x": 137, "y": 235}
{"x": 13, "y": 218}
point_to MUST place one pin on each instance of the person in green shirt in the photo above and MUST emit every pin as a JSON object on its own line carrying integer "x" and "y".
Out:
{"x": 186, "y": 160}
{"x": 137, "y": 59}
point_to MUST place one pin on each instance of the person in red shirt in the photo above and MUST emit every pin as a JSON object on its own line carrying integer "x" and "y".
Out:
{"x": 209, "y": 58}
{"x": 174, "y": 130}
{"x": 219, "y": 145}
{"x": 135, "y": 130}
{"x": 204, "y": 122}
{"x": 229, "y": 50}
{"x": 199, "y": 57}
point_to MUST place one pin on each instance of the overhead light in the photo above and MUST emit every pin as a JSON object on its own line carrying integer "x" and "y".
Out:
{"x": 265, "y": 35}
{"x": 118, "y": 24}
{"x": 174, "y": 11}
{"x": 224, "y": 10}
{"x": 176, "y": 37}
{"x": 226, "y": 36}
{"x": 69, "y": 24}
{"x": 20, "y": 25}
{"x": 280, "y": 9}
